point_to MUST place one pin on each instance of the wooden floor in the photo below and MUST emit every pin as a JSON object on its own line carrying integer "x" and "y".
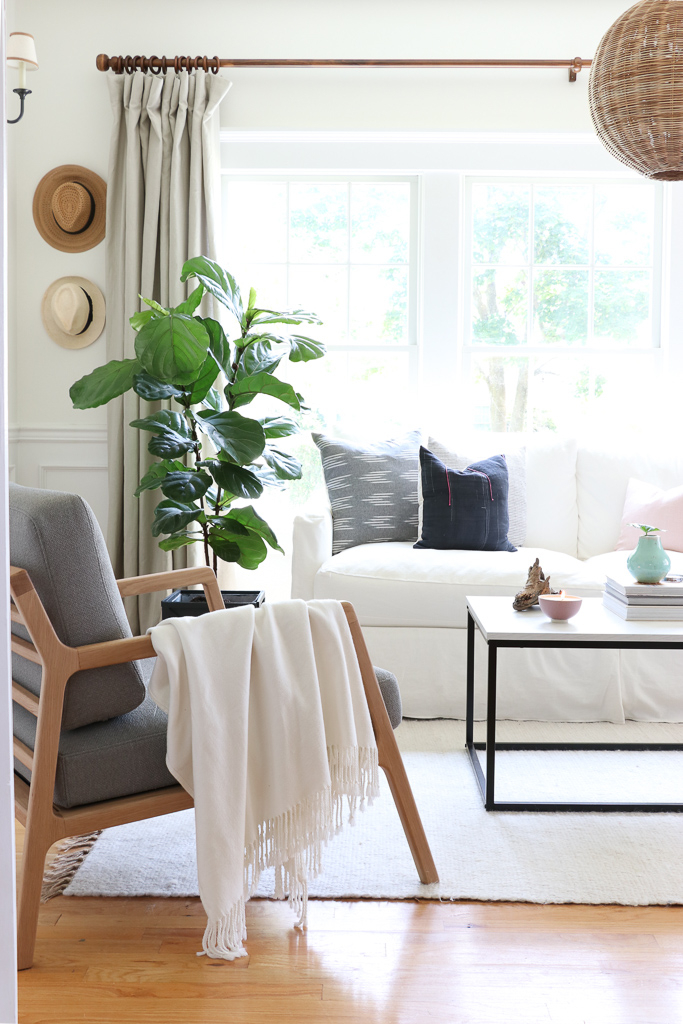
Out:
{"x": 132, "y": 961}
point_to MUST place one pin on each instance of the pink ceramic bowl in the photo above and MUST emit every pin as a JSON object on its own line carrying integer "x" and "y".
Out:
{"x": 559, "y": 607}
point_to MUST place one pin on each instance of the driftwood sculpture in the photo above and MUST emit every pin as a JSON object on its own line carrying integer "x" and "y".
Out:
{"x": 536, "y": 584}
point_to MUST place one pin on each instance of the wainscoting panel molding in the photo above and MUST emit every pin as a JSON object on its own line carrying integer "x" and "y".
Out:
{"x": 63, "y": 459}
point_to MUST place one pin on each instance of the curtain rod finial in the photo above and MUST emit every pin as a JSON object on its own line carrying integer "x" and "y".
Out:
{"x": 102, "y": 62}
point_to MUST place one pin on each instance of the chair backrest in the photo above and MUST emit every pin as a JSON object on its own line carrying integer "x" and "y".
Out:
{"x": 56, "y": 538}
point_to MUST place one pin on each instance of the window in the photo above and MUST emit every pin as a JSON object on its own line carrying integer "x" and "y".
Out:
{"x": 344, "y": 249}
{"x": 561, "y": 284}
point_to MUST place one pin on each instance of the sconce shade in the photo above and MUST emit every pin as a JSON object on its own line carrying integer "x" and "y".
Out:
{"x": 636, "y": 89}
{"x": 21, "y": 49}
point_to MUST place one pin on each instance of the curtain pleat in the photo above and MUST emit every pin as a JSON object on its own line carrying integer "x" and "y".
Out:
{"x": 163, "y": 207}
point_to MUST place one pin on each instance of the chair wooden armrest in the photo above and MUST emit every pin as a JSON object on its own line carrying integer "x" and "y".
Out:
{"x": 115, "y": 652}
{"x": 175, "y": 578}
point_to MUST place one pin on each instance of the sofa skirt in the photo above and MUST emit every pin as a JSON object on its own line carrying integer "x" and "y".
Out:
{"x": 533, "y": 685}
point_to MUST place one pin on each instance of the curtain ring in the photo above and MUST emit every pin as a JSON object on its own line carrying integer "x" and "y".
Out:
{"x": 141, "y": 65}
{"x": 205, "y": 63}
{"x": 217, "y": 65}
{"x": 150, "y": 64}
{"x": 164, "y": 64}
{"x": 128, "y": 64}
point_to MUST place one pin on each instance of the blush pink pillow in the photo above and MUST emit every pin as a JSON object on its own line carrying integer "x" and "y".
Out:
{"x": 646, "y": 503}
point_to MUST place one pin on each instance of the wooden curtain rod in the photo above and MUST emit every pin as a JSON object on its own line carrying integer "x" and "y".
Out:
{"x": 158, "y": 64}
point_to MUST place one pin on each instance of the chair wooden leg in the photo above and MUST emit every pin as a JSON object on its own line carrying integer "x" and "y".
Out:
{"x": 390, "y": 758}
{"x": 30, "y": 885}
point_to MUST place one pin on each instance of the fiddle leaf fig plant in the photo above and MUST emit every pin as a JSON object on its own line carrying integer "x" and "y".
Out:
{"x": 211, "y": 459}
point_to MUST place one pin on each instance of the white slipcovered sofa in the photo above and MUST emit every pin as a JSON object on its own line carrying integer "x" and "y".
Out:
{"x": 411, "y": 602}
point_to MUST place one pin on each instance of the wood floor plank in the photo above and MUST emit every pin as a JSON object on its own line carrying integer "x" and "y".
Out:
{"x": 133, "y": 961}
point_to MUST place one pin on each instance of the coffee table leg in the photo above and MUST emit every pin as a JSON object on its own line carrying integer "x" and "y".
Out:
{"x": 491, "y": 729}
{"x": 469, "y": 707}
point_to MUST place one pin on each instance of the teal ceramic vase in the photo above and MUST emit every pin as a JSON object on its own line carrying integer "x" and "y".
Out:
{"x": 649, "y": 563}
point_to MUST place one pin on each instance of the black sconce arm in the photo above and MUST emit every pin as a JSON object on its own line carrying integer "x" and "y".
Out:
{"x": 22, "y": 94}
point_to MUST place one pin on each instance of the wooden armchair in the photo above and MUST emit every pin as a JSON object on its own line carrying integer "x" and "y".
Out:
{"x": 70, "y": 781}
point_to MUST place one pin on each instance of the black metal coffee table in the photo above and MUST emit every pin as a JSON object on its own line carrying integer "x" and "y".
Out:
{"x": 593, "y": 628}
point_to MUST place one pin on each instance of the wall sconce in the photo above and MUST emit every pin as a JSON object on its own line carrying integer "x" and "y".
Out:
{"x": 21, "y": 54}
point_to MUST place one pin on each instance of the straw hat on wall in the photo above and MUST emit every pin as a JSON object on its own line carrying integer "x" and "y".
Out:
{"x": 73, "y": 312}
{"x": 69, "y": 208}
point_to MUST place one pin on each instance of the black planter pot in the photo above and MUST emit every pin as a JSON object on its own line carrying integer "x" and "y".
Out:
{"x": 193, "y": 602}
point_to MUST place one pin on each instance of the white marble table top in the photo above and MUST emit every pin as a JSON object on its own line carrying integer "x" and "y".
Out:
{"x": 497, "y": 620}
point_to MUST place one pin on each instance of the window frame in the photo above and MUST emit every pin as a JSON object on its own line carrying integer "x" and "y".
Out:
{"x": 411, "y": 347}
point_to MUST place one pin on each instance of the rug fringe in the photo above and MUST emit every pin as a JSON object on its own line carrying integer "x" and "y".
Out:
{"x": 70, "y": 855}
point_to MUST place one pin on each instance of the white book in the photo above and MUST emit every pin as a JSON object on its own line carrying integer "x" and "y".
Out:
{"x": 659, "y": 612}
{"x": 628, "y": 587}
{"x": 661, "y": 597}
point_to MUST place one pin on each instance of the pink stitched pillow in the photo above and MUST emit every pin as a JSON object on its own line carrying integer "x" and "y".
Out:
{"x": 645, "y": 503}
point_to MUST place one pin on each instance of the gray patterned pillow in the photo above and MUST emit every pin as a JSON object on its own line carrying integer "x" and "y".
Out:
{"x": 372, "y": 489}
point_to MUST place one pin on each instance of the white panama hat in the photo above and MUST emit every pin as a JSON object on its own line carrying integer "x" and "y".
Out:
{"x": 73, "y": 312}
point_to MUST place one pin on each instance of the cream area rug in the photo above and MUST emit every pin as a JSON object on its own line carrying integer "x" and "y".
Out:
{"x": 634, "y": 859}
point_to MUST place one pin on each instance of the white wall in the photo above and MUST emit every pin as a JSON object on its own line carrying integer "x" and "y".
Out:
{"x": 8, "y": 960}
{"x": 68, "y": 121}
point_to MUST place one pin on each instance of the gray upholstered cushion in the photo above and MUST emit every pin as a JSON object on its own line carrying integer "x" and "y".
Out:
{"x": 391, "y": 694}
{"x": 123, "y": 756}
{"x": 56, "y": 538}
{"x": 372, "y": 489}
{"x": 127, "y": 755}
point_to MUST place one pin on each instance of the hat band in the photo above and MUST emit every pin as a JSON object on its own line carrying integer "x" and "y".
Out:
{"x": 89, "y": 220}
{"x": 90, "y": 314}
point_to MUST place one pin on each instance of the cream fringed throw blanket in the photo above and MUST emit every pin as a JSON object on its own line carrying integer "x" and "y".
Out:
{"x": 268, "y": 729}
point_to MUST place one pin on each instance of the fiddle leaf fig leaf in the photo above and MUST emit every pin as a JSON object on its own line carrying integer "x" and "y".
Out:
{"x": 284, "y": 465}
{"x": 156, "y": 474}
{"x": 178, "y": 541}
{"x": 153, "y": 390}
{"x": 240, "y": 438}
{"x": 174, "y": 434}
{"x": 224, "y": 545}
{"x": 104, "y": 383}
{"x": 138, "y": 320}
{"x": 261, "y": 357}
{"x": 296, "y": 316}
{"x": 278, "y": 426}
{"x": 219, "y": 345}
{"x": 302, "y": 350}
{"x": 186, "y": 485}
{"x": 172, "y": 516}
{"x": 204, "y": 381}
{"x": 254, "y": 523}
{"x": 155, "y": 307}
{"x": 172, "y": 348}
{"x": 236, "y": 480}
{"x": 244, "y": 391}
{"x": 191, "y": 302}
{"x": 218, "y": 282}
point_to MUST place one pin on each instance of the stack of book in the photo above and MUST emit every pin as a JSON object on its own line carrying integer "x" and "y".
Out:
{"x": 631, "y": 600}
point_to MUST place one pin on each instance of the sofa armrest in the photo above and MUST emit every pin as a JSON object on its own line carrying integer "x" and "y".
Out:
{"x": 311, "y": 546}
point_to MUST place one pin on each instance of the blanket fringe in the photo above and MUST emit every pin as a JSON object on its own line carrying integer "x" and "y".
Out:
{"x": 70, "y": 855}
{"x": 292, "y": 843}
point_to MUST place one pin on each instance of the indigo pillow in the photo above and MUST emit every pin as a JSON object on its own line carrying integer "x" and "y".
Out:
{"x": 372, "y": 489}
{"x": 466, "y": 509}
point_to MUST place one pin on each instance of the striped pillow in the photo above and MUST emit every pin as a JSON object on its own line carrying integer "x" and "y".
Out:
{"x": 372, "y": 489}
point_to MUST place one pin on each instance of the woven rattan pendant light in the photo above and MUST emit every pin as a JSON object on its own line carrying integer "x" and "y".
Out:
{"x": 636, "y": 89}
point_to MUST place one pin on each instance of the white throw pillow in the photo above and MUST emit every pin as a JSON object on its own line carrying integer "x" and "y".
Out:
{"x": 516, "y": 462}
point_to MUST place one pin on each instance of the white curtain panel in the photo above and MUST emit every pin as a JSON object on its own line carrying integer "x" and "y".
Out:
{"x": 163, "y": 207}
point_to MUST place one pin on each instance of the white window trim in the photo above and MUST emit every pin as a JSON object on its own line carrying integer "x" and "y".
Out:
{"x": 443, "y": 160}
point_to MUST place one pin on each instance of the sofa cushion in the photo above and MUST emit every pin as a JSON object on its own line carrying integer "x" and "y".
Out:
{"x": 56, "y": 538}
{"x": 645, "y": 503}
{"x": 398, "y": 585}
{"x": 123, "y": 756}
{"x": 372, "y": 489}
{"x": 602, "y": 479}
{"x": 552, "y": 515}
{"x": 465, "y": 509}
